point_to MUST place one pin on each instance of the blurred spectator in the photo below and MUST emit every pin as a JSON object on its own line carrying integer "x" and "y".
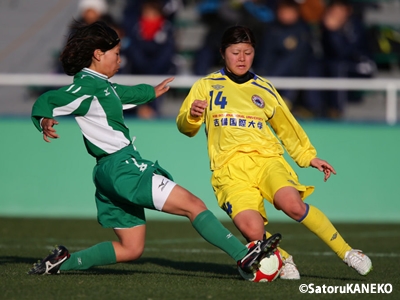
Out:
{"x": 217, "y": 15}
{"x": 385, "y": 46}
{"x": 311, "y": 11}
{"x": 286, "y": 47}
{"x": 151, "y": 49}
{"x": 88, "y": 12}
{"x": 311, "y": 102}
{"x": 132, "y": 11}
{"x": 91, "y": 11}
{"x": 345, "y": 52}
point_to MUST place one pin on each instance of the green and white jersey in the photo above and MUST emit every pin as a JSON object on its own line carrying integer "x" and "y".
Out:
{"x": 97, "y": 106}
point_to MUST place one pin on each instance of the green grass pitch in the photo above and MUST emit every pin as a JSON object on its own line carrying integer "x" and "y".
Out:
{"x": 178, "y": 264}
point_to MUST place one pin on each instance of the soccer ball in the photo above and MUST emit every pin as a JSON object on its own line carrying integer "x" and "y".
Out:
{"x": 269, "y": 268}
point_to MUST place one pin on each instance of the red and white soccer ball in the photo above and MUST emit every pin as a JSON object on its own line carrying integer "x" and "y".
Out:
{"x": 269, "y": 268}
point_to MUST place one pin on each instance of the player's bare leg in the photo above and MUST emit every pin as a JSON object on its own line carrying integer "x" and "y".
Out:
{"x": 129, "y": 247}
{"x": 182, "y": 202}
{"x": 251, "y": 224}
{"x": 130, "y": 244}
{"x": 289, "y": 201}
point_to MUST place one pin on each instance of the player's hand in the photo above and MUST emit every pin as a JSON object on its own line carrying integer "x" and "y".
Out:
{"x": 323, "y": 166}
{"x": 197, "y": 108}
{"x": 162, "y": 88}
{"x": 48, "y": 129}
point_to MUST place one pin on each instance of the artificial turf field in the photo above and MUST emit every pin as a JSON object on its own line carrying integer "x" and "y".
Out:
{"x": 178, "y": 264}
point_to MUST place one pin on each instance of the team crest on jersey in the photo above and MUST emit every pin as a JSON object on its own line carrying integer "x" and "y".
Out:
{"x": 257, "y": 100}
{"x": 218, "y": 86}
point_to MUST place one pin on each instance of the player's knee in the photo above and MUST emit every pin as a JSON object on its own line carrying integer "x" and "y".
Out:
{"x": 250, "y": 224}
{"x": 196, "y": 205}
{"x": 289, "y": 201}
{"x": 252, "y": 233}
{"x": 199, "y": 204}
{"x": 134, "y": 253}
{"x": 193, "y": 207}
{"x": 296, "y": 211}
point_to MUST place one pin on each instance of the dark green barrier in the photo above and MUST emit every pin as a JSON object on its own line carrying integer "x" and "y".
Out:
{"x": 54, "y": 180}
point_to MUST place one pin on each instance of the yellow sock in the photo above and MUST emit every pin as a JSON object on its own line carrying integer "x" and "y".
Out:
{"x": 316, "y": 221}
{"x": 283, "y": 253}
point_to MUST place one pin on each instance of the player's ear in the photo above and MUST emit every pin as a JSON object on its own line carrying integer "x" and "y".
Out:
{"x": 97, "y": 54}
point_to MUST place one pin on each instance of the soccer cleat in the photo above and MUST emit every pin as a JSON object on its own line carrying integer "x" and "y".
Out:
{"x": 358, "y": 261}
{"x": 289, "y": 270}
{"x": 52, "y": 263}
{"x": 250, "y": 263}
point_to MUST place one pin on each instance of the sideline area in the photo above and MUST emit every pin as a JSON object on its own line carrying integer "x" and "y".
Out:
{"x": 54, "y": 180}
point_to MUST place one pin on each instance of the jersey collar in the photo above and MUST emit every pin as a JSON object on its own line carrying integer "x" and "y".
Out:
{"x": 94, "y": 73}
{"x": 238, "y": 79}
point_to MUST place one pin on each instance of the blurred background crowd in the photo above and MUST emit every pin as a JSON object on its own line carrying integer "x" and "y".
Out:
{"x": 295, "y": 38}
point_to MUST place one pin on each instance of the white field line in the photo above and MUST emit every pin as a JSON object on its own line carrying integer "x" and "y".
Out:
{"x": 155, "y": 245}
{"x": 202, "y": 250}
{"x": 208, "y": 251}
{"x": 87, "y": 242}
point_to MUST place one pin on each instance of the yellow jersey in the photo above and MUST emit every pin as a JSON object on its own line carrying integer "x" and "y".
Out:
{"x": 239, "y": 118}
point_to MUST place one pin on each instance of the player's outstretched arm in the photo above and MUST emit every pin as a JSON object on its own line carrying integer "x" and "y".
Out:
{"x": 48, "y": 129}
{"x": 163, "y": 87}
{"x": 323, "y": 166}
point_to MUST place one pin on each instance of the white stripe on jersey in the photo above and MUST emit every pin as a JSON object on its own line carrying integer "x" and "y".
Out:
{"x": 70, "y": 107}
{"x": 128, "y": 106}
{"x": 95, "y": 128}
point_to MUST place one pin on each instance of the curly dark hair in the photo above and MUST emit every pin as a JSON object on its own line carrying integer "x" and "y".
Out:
{"x": 235, "y": 35}
{"x": 83, "y": 41}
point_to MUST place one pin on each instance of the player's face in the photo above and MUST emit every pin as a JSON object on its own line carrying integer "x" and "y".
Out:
{"x": 239, "y": 58}
{"x": 110, "y": 61}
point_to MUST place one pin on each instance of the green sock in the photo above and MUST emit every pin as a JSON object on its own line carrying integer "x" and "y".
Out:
{"x": 97, "y": 255}
{"x": 208, "y": 226}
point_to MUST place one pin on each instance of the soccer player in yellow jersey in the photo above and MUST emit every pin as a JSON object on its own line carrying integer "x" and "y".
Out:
{"x": 248, "y": 126}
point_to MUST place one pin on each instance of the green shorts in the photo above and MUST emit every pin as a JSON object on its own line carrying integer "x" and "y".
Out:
{"x": 124, "y": 188}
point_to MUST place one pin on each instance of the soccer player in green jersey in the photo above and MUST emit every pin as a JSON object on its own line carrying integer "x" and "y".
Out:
{"x": 125, "y": 182}
{"x": 248, "y": 126}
